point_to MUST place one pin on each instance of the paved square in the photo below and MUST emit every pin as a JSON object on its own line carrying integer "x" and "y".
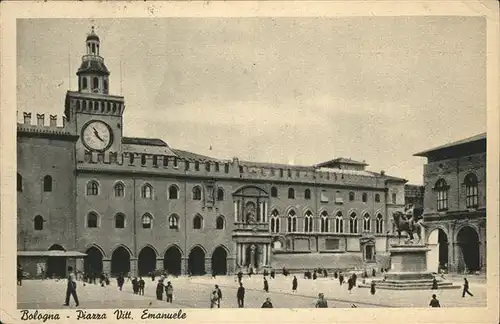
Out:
{"x": 194, "y": 292}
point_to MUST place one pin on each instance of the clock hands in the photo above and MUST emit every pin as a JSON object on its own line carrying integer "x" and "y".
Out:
{"x": 96, "y": 133}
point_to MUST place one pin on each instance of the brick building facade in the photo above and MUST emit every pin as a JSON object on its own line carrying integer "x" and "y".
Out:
{"x": 455, "y": 205}
{"x": 92, "y": 198}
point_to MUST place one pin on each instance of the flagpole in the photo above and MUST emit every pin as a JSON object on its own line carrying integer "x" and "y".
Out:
{"x": 69, "y": 71}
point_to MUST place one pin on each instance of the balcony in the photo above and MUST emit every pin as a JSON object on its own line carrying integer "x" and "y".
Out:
{"x": 255, "y": 227}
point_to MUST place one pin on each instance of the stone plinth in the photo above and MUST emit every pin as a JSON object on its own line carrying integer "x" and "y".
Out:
{"x": 409, "y": 270}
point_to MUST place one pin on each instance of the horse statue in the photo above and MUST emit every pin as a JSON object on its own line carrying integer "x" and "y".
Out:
{"x": 408, "y": 223}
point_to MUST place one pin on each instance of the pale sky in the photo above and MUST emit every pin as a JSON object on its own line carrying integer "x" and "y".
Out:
{"x": 282, "y": 90}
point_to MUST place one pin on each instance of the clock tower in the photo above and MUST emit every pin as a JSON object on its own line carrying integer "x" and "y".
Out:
{"x": 95, "y": 114}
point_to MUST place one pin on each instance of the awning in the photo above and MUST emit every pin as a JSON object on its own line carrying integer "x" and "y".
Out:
{"x": 53, "y": 253}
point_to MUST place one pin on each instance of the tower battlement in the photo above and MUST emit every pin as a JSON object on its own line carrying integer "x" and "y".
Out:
{"x": 28, "y": 119}
{"x": 158, "y": 165}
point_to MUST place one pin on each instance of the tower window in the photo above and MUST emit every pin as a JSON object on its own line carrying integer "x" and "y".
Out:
{"x": 106, "y": 85}
{"x": 196, "y": 193}
{"x": 84, "y": 83}
{"x": 173, "y": 192}
{"x": 219, "y": 223}
{"x": 197, "y": 222}
{"x": 92, "y": 220}
{"x": 147, "y": 221}
{"x": 95, "y": 83}
{"x": 38, "y": 223}
{"x": 92, "y": 188}
{"x": 93, "y": 48}
{"x": 119, "y": 190}
{"x": 173, "y": 221}
{"x": 220, "y": 194}
{"x": 307, "y": 194}
{"x": 47, "y": 183}
{"x": 120, "y": 221}
{"x": 274, "y": 192}
{"x": 291, "y": 193}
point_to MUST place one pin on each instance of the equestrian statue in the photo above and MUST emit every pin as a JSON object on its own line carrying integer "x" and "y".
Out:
{"x": 409, "y": 223}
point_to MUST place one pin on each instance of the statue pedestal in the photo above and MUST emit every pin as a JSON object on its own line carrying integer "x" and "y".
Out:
{"x": 409, "y": 270}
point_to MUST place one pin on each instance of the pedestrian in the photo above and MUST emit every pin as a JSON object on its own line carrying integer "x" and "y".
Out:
{"x": 267, "y": 303}
{"x": 213, "y": 274}
{"x": 240, "y": 276}
{"x": 71, "y": 288}
{"x": 341, "y": 279}
{"x": 169, "y": 290}
{"x": 372, "y": 287}
{"x": 373, "y": 272}
{"x": 265, "y": 274}
{"x": 159, "y": 290}
{"x": 434, "y": 302}
{"x": 350, "y": 284}
{"x": 466, "y": 288}
{"x": 266, "y": 285}
{"x": 214, "y": 297}
{"x": 250, "y": 273}
{"x": 135, "y": 286}
{"x": 240, "y": 295}
{"x": 354, "y": 278}
{"x": 434, "y": 283}
{"x": 294, "y": 284}
{"x": 315, "y": 275}
{"x": 273, "y": 273}
{"x": 120, "y": 281}
{"x": 219, "y": 295}
{"x": 142, "y": 283}
{"x": 325, "y": 273}
{"x": 152, "y": 276}
{"x": 19, "y": 275}
{"x": 321, "y": 303}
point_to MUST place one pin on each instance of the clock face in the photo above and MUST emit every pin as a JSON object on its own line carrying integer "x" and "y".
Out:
{"x": 97, "y": 135}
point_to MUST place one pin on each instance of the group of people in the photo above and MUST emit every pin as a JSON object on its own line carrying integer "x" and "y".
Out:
{"x": 168, "y": 288}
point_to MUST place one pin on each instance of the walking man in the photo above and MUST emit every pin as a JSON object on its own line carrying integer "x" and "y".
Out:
{"x": 466, "y": 288}
{"x": 266, "y": 285}
{"x": 19, "y": 275}
{"x": 120, "y": 281}
{"x": 71, "y": 288}
{"x": 219, "y": 295}
{"x": 434, "y": 301}
{"x": 294, "y": 284}
{"x": 267, "y": 303}
{"x": 321, "y": 303}
{"x": 240, "y": 295}
{"x": 141, "y": 286}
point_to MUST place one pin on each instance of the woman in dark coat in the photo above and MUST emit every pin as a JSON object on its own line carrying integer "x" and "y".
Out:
{"x": 294, "y": 284}
{"x": 341, "y": 279}
{"x": 372, "y": 288}
{"x": 159, "y": 290}
{"x": 350, "y": 284}
{"x": 266, "y": 285}
{"x": 434, "y": 283}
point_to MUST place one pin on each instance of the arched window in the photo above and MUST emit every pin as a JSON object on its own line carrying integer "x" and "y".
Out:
{"x": 324, "y": 222}
{"x": 105, "y": 85}
{"x": 219, "y": 223}
{"x": 92, "y": 220}
{"x": 292, "y": 222}
{"x": 379, "y": 224}
{"x": 275, "y": 222}
{"x": 173, "y": 222}
{"x": 307, "y": 194}
{"x": 147, "y": 191}
{"x": 38, "y": 223}
{"x": 47, "y": 183}
{"x": 173, "y": 192}
{"x": 353, "y": 223}
{"x": 471, "y": 191}
{"x": 351, "y": 196}
{"x": 339, "y": 223}
{"x": 147, "y": 221}
{"x": 197, "y": 165}
{"x": 394, "y": 198}
{"x": 196, "y": 193}
{"x": 274, "y": 192}
{"x": 19, "y": 182}
{"x": 120, "y": 221}
{"x": 291, "y": 193}
{"x": 308, "y": 222}
{"x": 367, "y": 223}
{"x": 119, "y": 189}
{"x": 92, "y": 188}
{"x": 84, "y": 83}
{"x": 377, "y": 197}
{"x": 220, "y": 194}
{"x": 197, "y": 222}
{"x": 441, "y": 189}
{"x": 364, "y": 197}
{"x": 95, "y": 83}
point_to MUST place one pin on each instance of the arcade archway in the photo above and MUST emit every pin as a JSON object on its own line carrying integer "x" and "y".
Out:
{"x": 196, "y": 262}
{"x": 468, "y": 241}
{"x": 56, "y": 265}
{"x": 219, "y": 261}
{"x": 172, "y": 261}
{"x": 92, "y": 264}
{"x": 437, "y": 257}
{"x": 146, "y": 261}
{"x": 120, "y": 261}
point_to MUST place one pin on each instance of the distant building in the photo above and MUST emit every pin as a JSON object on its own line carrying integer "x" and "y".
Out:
{"x": 455, "y": 204}
{"x": 92, "y": 198}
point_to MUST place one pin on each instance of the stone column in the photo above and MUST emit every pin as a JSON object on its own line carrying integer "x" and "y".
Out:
{"x": 244, "y": 254}
{"x": 184, "y": 267}
{"x": 133, "y": 267}
{"x": 106, "y": 266}
{"x": 159, "y": 264}
{"x": 269, "y": 254}
{"x": 208, "y": 265}
{"x": 252, "y": 256}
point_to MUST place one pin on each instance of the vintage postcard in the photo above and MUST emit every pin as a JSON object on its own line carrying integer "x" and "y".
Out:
{"x": 181, "y": 160}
